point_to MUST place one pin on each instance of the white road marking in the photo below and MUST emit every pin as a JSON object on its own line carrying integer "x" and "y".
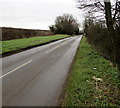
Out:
{"x": 15, "y": 69}
{"x": 52, "y": 49}
{"x": 58, "y": 46}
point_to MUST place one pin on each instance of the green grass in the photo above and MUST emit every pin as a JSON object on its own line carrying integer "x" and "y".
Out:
{"x": 82, "y": 89}
{"x": 17, "y": 44}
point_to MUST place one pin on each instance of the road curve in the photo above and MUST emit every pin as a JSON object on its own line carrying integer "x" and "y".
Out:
{"x": 36, "y": 77}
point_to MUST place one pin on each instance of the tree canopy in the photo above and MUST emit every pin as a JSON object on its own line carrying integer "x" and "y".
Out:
{"x": 65, "y": 24}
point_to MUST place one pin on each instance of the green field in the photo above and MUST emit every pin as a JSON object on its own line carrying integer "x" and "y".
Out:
{"x": 92, "y": 80}
{"x": 17, "y": 44}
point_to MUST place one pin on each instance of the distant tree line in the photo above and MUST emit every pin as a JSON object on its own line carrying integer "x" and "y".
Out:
{"x": 65, "y": 24}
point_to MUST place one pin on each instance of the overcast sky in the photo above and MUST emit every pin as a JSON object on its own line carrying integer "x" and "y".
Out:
{"x": 35, "y": 14}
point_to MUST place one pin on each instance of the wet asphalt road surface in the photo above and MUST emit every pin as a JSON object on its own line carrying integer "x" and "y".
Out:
{"x": 36, "y": 77}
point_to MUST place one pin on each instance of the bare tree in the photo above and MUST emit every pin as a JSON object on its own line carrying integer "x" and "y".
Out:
{"x": 111, "y": 31}
{"x": 111, "y": 12}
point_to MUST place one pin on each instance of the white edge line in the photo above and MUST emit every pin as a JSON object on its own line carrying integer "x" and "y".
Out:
{"x": 15, "y": 69}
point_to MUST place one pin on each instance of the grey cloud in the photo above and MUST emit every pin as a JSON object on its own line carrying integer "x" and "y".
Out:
{"x": 35, "y": 13}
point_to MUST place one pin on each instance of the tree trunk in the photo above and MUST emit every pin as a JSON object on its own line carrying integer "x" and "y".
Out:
{"x": 110, "y": 28}
{"x": 112, "y": 34}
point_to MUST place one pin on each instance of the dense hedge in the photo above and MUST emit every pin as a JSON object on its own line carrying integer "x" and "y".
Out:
{"x": 17, "y": 33}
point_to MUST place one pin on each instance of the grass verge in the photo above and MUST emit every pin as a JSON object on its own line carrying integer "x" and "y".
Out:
{"x": 92, "y": 80}
{"x": 17, "y": 44}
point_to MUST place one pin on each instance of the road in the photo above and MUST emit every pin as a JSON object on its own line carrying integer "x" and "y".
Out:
{"x": 36, "y": 77}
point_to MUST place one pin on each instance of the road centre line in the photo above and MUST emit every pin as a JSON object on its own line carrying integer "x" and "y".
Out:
{"x": 58, "y": 46}
{"x": 52, "y": 49}
{"x": 15, "y": 69}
